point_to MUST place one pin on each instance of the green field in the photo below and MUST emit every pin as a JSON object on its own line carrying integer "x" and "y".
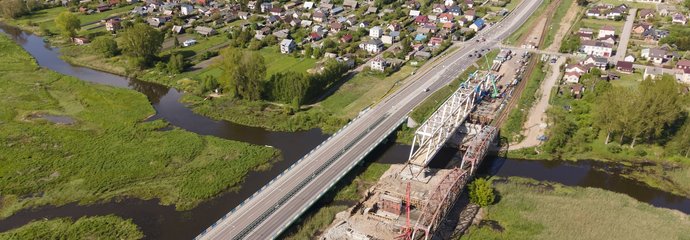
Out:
{"x": 46, "y": 17}
{"x": 529, "y": 209}
{"x": 99, "y": 227}
{"x": 108, "y": 151}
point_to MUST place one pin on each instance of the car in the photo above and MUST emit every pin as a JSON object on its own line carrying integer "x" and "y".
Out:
{"x": 471, "y": 55}
{"x": 426, "y": 89}
{"x": 553, "y": 60}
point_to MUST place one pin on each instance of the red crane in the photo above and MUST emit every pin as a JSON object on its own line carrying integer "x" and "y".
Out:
{"x": 407, "y": 230}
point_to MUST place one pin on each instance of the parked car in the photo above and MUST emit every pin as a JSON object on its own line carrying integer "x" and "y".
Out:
{"x": 188, "y": 43}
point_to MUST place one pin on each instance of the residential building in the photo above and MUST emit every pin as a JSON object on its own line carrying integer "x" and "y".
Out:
{"x": 645, "y": 14}
{"x": 375, "y": 32}
{"x": 469, "y": 15}
{"x": 477, "y": 25}
{"x": 596, "y": 48}
{"x": 606, "y": 31}
{"x": 683, "y": 64}
{"x": 287, "y": 46}
{"x": 629, "y": 58}
{"x": 652, "y": 72}
{"x": 679, "y": 18}
{"x": 655, "y": 55}
{"x": 205, "y": 31}
{"x": 346, "y": 38}
{"x": 624, "y": 67}
{"x": 186, "y": 10}
{"x": 112, "y": 24}
{"x": 386, "y": 39}
{"x": 372, "y": 46}
{"x": 594, "y": 61}
{"x": 575, "y": 68}
{"x": 378, "y": 64}
{"x": 571, "y": 77}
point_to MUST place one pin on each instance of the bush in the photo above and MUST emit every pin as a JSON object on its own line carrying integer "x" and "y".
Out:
{"x": 640, "y": 152}
{"x": 481, "y": 192}
{"x": 614, "y": 148}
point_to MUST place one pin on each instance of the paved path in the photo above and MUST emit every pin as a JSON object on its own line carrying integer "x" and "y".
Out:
{"x": 281, "y": 202}
{"x": 625, "y": 37}
{"x": 536, "y": 120}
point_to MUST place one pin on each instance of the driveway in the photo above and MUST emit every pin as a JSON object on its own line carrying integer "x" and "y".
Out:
{"x": 625, "y": 37}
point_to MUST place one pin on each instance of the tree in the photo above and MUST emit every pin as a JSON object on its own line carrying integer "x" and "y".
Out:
{"x": 243, "y": 73}
{"x": 142, "y": 42}
{"x": 68, "y": 24}
{"x": 687, "y": 3}
{"x": 176, "y": 41}
{"x": 175, "y": 64}
{"x": 13, "y": 8}
{"x": 105, "y": 45}
{"x": 308, "y": 51}
{"x": 481, "y": 192}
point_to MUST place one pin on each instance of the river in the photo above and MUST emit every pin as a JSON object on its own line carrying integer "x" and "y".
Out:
{"x": 164, "y": 222}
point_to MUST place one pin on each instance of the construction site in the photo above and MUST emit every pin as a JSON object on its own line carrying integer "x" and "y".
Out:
{"x": 413, "y": 200}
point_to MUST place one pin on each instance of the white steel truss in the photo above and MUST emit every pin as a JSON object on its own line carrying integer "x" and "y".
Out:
{"x": 435, "y": 131}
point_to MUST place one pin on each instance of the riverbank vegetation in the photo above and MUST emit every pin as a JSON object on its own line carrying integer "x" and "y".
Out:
{"x": 64, "y": 140}
{"x": 528, "y": 209}
{"x": 99, "y": 227}
{"x": 645, "y": 123}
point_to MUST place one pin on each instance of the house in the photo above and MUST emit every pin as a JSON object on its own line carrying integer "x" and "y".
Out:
{"x": 445, "y": 17}
{"x": 463, "y": 21}
{"x": 596, "y": 48}
{"x": 265, "y": 7}
{"x": 683, "y": 64}
{"x": 394, "y": 27}
{"x": 624, "y": 67}
{"x": 571, "y": 77}
{"x": 372, "y": 46}
{"x": 80, "y": 40}
{"x": 287, "y": 46}
{"x": 112, "y": 24}
{"x": 376, "y": 32}
{"x": 422, "y": 55}
{"x": 386, "y": 39}
{"x": 652, "y": 72}
{"x": 319, "y": 16}
{"x": 372, "y": 10}
{"x": 606, "y": 31}
{"x": 378, "y": 64}
{"x": 102, "y": 8}
{"x": 641, "y": 28}
{"x": 684, "y": 76}
{"x": 346, "y": 38}
{"x": 156, "y": 21}
{"x": 455, "y": 10}
{"x": 469, "y": 3}
{"x": 419, "y": 37}
{"x": 438, "y": 8}
{"x": 350, "y": 4}
{"x": 608, "y": 39}
{"x": 282, "y": 34}
{"x": 577, "y": 68}
{"x": 448, "y": 3}
{"x": 308, "y": 5}
{"x": 577, "y": 90}
{"x": 477, "y": 25}
{"x": 434, "y": 41}
{"x": 337, "y": 10}
{"x": 629, "y": 58}
{"x": 599, "y": 62}
{"x": 315, "y": 36}
{"x": 205, "y": 31}
{"x": 469, "y": 15}
{"x": 421, "y": 20}
{"x": 655, "y": 55}
{"x": 336, "y": 27}
{"x": 585, "y": 36}
{"x": 276, "y": 11}
{"x": 646, "y": 14}
{"x": 186, "y": 10}
{"x": 679, "y": 18}
{"x": 414, "y": 13}
{"x": 177, "y": 29}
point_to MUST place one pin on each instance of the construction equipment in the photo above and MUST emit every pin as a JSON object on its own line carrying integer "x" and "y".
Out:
{"x": 407, "y": 230}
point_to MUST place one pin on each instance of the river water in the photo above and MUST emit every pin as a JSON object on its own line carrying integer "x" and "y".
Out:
{"x": 164, "y": 222}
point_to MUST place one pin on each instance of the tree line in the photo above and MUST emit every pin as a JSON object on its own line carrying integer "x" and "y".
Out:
{"x": 244, "y": 77}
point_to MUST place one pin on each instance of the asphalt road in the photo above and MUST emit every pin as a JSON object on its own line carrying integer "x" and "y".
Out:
{"x": 277, "y": 205}
{"x": 625, "y": 37}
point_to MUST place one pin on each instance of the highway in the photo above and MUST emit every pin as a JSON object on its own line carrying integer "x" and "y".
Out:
{"x": 273, "y": 208}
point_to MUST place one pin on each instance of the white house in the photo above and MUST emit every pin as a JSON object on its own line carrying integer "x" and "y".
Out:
{"x": 629, "y": 58}
{"x": 378, "y": 64}
{"x": 286, "y": 46}
{"x": 575, "y": 68}
{"x": 372, "y": 46}
{"x": 596, "y": 48}
{"x": 387, "y": 39}
{"x": 571, "y": 77}
{"x": 186, "y": 10}
{"x": 679, "y": 18}
{"x": 606, "y": 31}
{"x": 375, "y": 32}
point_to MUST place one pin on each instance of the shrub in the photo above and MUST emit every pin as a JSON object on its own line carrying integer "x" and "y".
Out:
{"x": 481, "y": 192}
{"x": 614, "y": 148}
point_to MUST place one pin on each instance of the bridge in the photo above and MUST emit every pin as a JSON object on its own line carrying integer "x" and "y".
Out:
{"x": 274, "y": 207}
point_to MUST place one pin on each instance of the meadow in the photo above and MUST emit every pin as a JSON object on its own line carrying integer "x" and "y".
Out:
{"x": 98, "y": 227}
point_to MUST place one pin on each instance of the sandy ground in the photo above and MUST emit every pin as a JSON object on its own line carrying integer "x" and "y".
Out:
{"x": 536, "y": 120}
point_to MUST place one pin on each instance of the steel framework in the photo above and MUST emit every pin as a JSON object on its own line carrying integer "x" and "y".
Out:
{"x": 447, "y": 191}
{"x": 436, "y": 130}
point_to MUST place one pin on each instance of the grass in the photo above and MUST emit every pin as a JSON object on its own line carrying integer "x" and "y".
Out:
{"x": 561, "y": 11}
{"x": 528, "y": 25}
{"x": 532, "y": 210}
{"x": 598, "y": 23}
{"x": 98, "y": 227}
{"x": 628, "y": 80}
{"x": 512, "y": 128}
{"x": 631, "y": 4}
{"x": 424, "y": 110}
{"x": 109, "y": 152}
{"x": 46, "y": 17}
